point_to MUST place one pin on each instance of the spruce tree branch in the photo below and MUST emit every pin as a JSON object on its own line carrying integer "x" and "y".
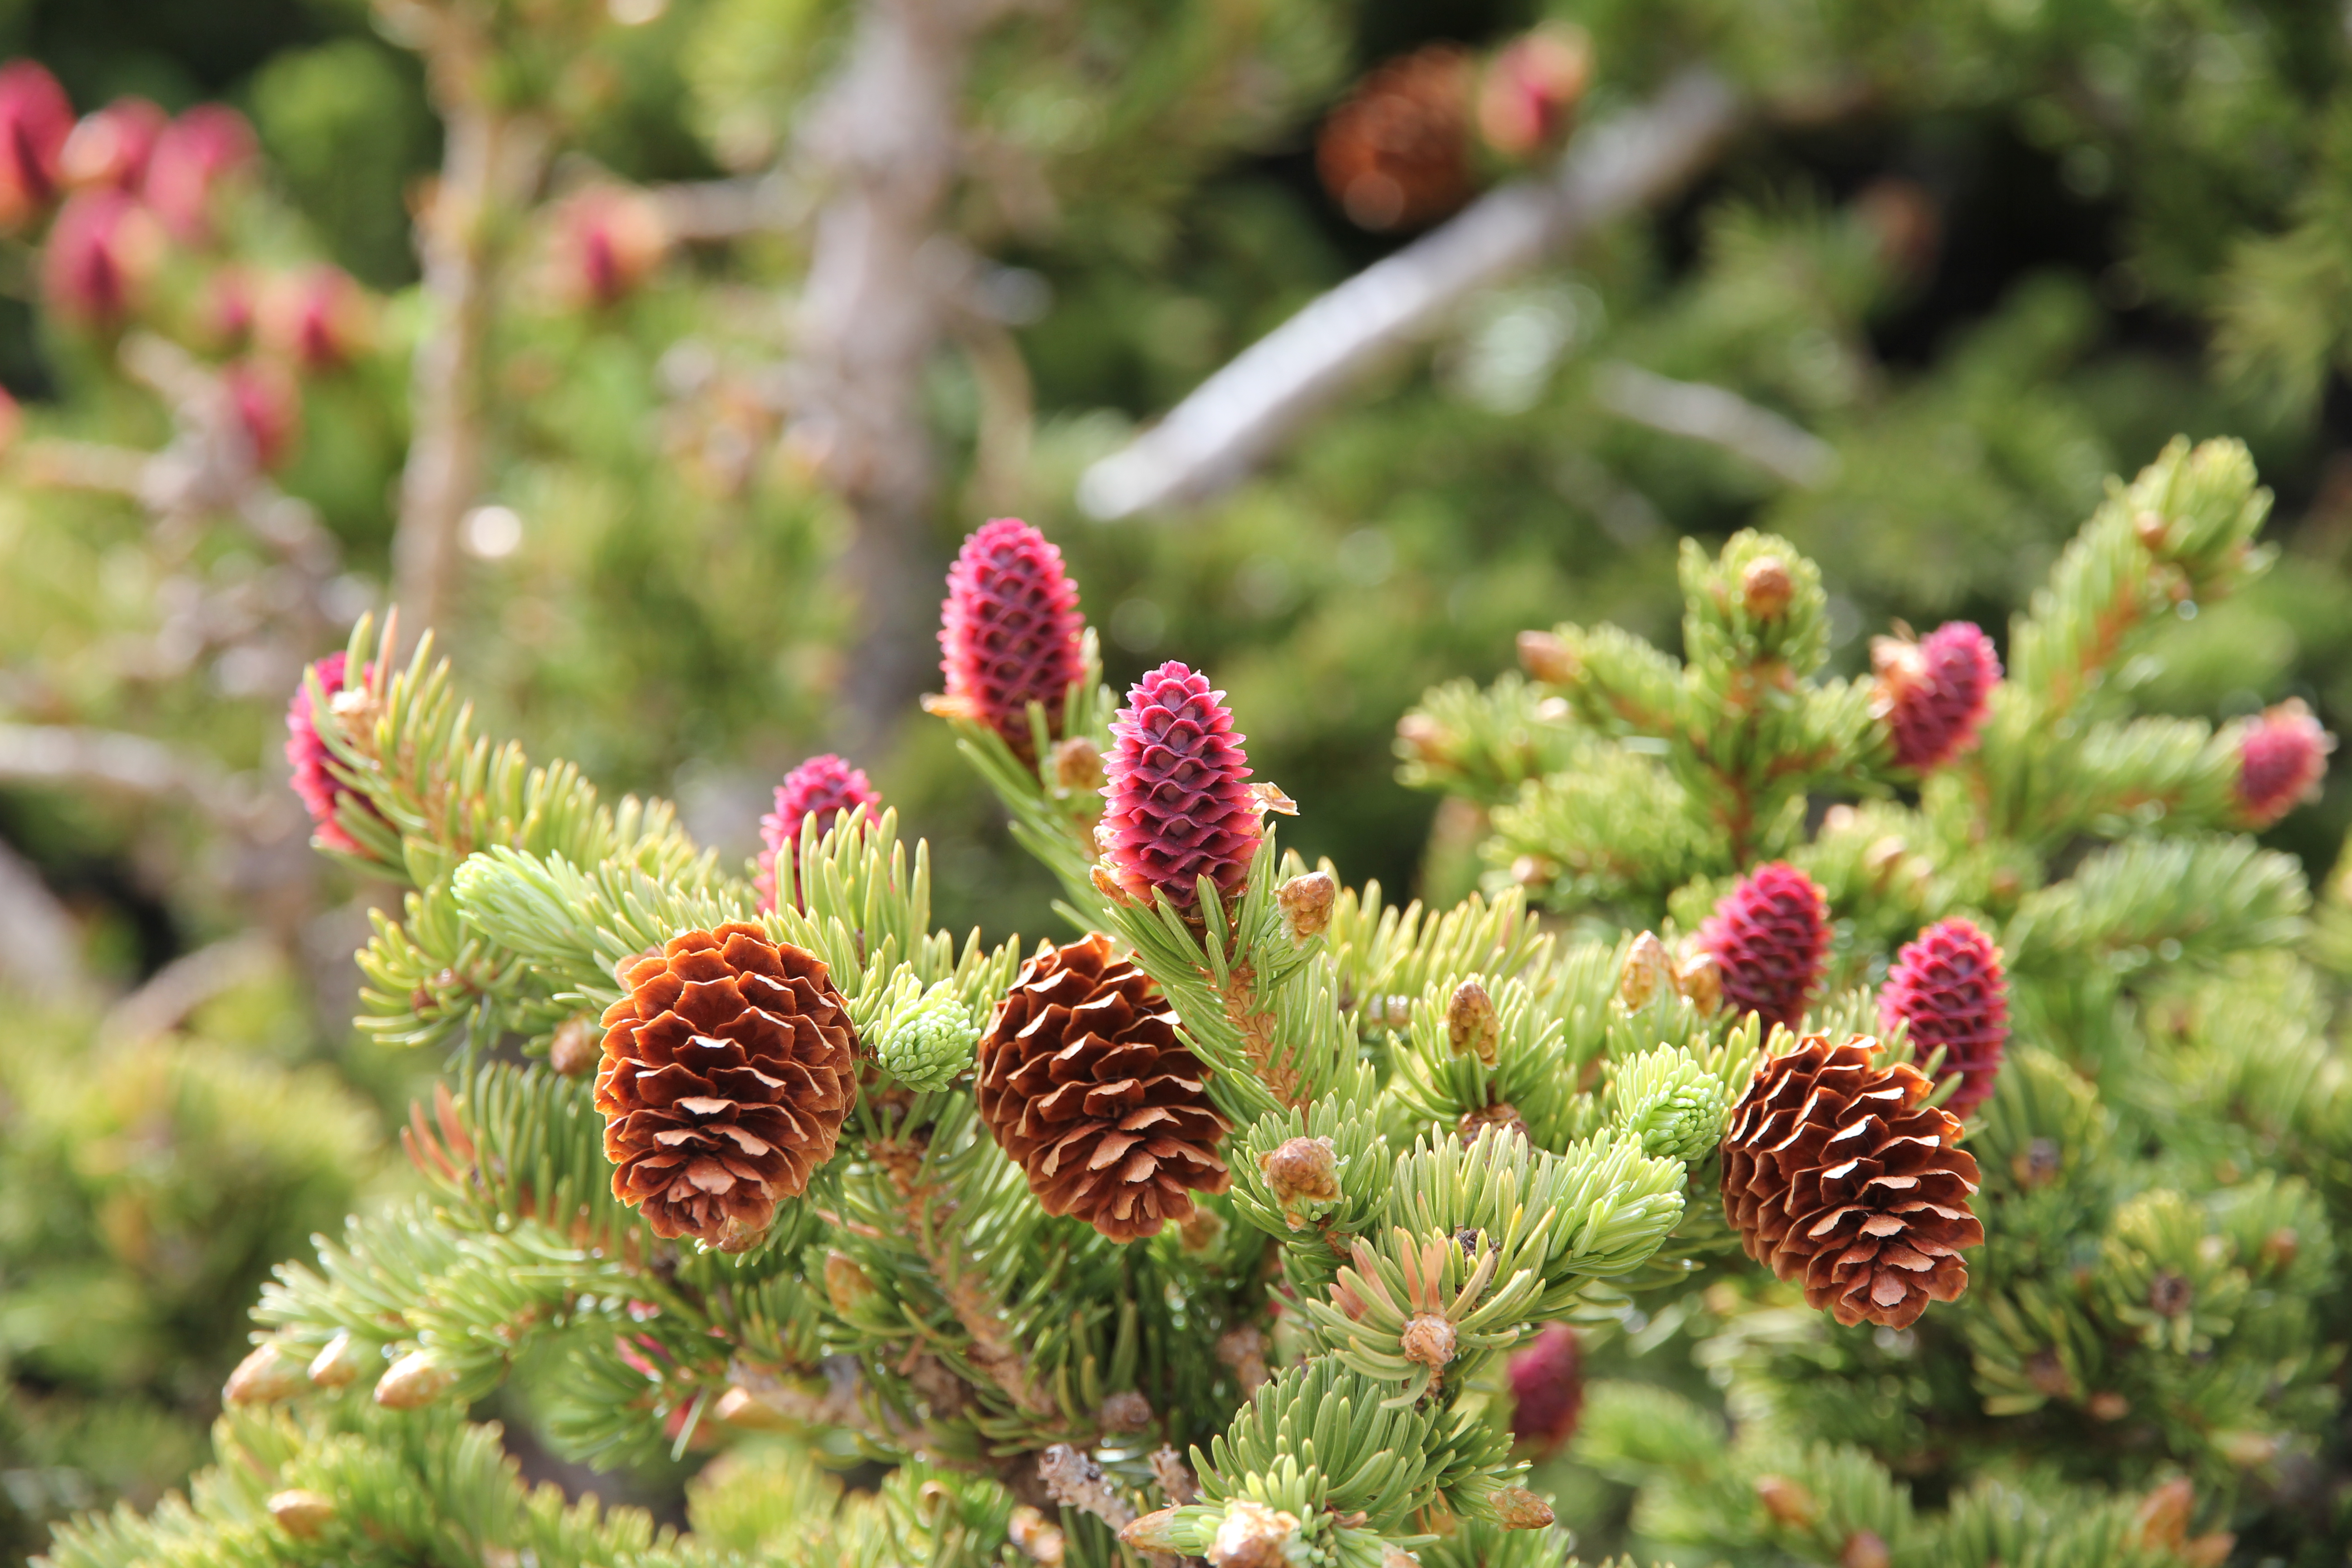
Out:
{"x": 884, "y": 140}
{"x": 1246, "y": 412}
{"x": 40, "y": 950}
{"x": 1786, "y": 450}
{"x": 931, "y": 1217}
{"x": 492, "y": 157}
{"x": 210, "y": 465}
{"x": 184, "y": 985}
{"x": 708, "y": 211}
{"x": 133, "y": 765}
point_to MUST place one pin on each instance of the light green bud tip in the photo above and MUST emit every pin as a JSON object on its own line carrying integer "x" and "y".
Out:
{"x": 1671, "y": 1103}
{"x": 926, "y": 1047}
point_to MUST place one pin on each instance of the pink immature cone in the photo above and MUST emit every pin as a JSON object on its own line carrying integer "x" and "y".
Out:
{"x": 1547, "y": 1391}
{"x": 1179, "y": 810}
{"x": 2281, "y": 760}
{"x": 98, "y": 258}
{"x": 608, "y": 241}
{"x": 1769, "y": 937}
{"x": 268, "y": 408}
{"x": 1934, "y": 694}
{"x": 1527, "y": 99}
{"x": 35, "y": 120}
{"x": 1010, "y": 632}
{"x": 109, "y": 147}
{"x": 314, "y": 320}
{"x": 226, "y": 318}
{"x": 313, "y": 779}
{"x": 1949, "y": 986}
{"x": 823, "y": 784}
{"x": 193, "y": 156}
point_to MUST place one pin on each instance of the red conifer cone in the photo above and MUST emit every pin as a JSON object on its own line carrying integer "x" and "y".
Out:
{"x": 99, "y": 256}
{"x": 1527, "y": 99}
{"x": 608, "y": 241}
{"x": 313, "y": 781}
{"x": 1396, "y": 154}
{"x": 316, "y": 320}
{"x": 191, "y": 159}
{"x": 728, "y": 1069}
{"x": 36, "y": 118}
{"x": 824, "y": 785}
{"x": 1836, "y": 1171}
{"x": 2280, "y": 760}
{"x": 1934, "y": 694}
{"x": 1949, "y": 986}
{"x": 1179, "y": 809}
{"x": 112, "y": 146}
{"x": 1769, "y": 937}
{"x": 269, "y": 409}
{"x": 1547, "y": 1391}
{"x": 1010, "y": 632}
{"x": 1082, "y": 1082}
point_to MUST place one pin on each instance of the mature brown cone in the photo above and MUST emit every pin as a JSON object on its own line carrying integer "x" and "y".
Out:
{"x": 1835, "y": 1171}
{"x": 727, "y": 1071}
{"x": 1082, "y": 1081}
{"x": 1396, "y": 154}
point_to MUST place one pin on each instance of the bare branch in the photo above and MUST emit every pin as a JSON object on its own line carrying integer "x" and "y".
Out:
{"x": 40, "y": 950}
{"x": 884, "y": 144}
{"x": 184, "y": 985}
{"x": 707, "y": 210}
{"x": 1246, "y": 412}
{"x": 491, "y": 159}
{"x": 1786, "y": 450}
{"x": 131, "y": 764}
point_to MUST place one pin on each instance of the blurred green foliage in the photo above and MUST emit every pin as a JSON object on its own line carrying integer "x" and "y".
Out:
{"x": 1980, "y": 254}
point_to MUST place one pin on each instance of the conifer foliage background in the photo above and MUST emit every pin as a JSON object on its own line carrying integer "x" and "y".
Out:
{"x": 537, "y": 319}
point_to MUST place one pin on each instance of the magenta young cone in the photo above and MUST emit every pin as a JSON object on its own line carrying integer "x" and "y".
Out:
{"x": 2281, "y": 760}
{"x": 1010, "y": 632}
{"x": 1770, "y": 935}
{"x": 1948, "y": 985}
{"x": 1934, "y": 693}
{"x": 824, "y": 785}
{"x": 1178, "y": 808}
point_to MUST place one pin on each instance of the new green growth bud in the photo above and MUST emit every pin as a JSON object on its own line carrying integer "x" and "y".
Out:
{"x": 1253, "y": 1536}
{"x": 1766, "y": 587}
{"x": 300, "y": 1513}
{"x": 846, "y": 1284}
{"x": 1647, "y": 972}
{"x": 265, "y": 1376}
{"x": 1548, "y": 659}
{"x": 1158, "y": 1531}
{"x": 1126, "y": 1412}
{"x": 1471, "y": 1025}
{"x": 930, "y": 1046}
{"x": 1428, "y": 1339}
{"x": 575, "y": 1050}
{"x": 1041, "y": 1540}
{"x": 1670, "y": 1102}
{"x": 1302, "y": 1172}
{"x": 1078, "y": 766}
{"x": 1307, "y": 904}
{"x": 415, "y": 1381}
{"x": 336, "y": 1365}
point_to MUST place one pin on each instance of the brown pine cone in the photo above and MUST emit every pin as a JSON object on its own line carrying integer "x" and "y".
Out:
{"x": 1082, "y": 1082}
{"x": 1396, "y": 154}
{"x": 1836, "y": 1171}
{"x": 728, "y": 1069}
